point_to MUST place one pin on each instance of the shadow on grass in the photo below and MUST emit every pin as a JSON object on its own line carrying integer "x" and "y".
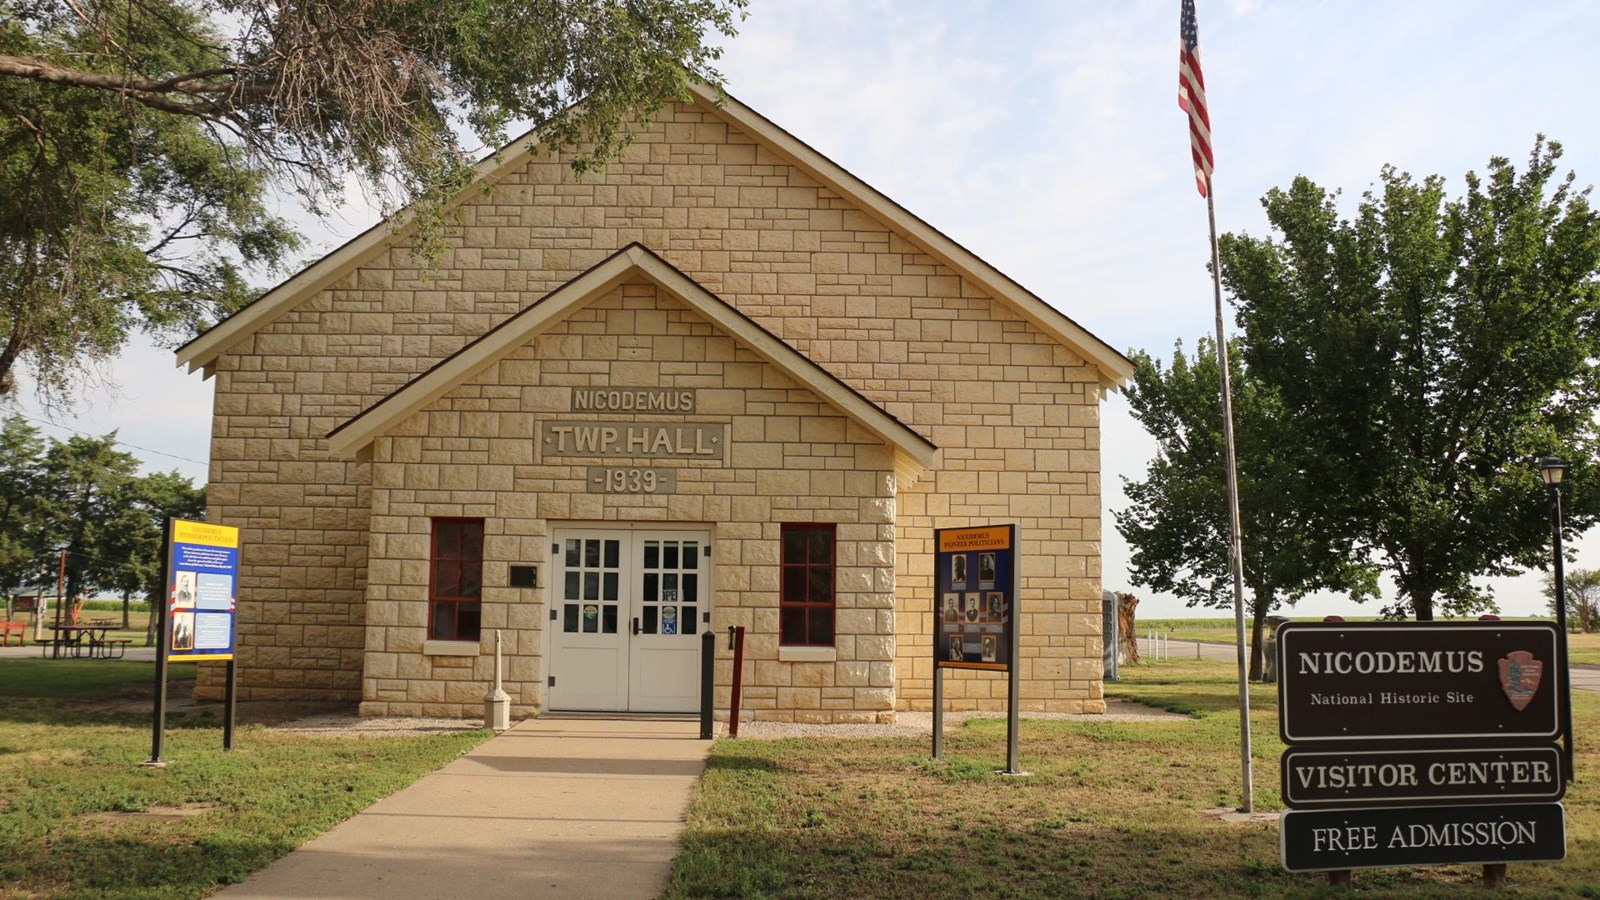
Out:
{"x": 154, "y": 862}
{"x": 30, "y": 711}
{"x": 1051, "y": 859}
{"x": 83, "y": 679}
{"x": 76, "y": 692}
{"x": 727, "y": 762}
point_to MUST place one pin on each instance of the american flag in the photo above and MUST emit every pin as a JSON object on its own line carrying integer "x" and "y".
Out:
{"x": 1192, "y": 97}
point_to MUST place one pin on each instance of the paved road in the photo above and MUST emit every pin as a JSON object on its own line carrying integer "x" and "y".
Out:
{"x": 1584, "y": 678}
{"x": 32, "y": 651}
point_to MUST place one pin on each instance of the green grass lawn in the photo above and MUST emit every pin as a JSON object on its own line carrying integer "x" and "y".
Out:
{"x": 1112, "y": 809}
{"x": 79, "y": 817}
{"x": 1584, "y": 648}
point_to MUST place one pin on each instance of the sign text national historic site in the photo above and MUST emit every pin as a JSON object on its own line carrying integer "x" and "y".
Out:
{"x": 1377, "y": 681}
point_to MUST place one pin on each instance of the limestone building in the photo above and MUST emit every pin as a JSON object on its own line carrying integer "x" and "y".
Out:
{"x": 724, "y": 382}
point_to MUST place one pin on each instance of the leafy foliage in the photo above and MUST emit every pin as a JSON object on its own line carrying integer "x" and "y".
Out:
{"x": 21, "y": 454}
{"x": 1583, "y": 598}
{"x": 1427, "y": 352}
{"x": 139, "y": 139}
{"x": 86, "y": 496}
{"x": 1177, "y": 519}
{"x": 114, "y": 217}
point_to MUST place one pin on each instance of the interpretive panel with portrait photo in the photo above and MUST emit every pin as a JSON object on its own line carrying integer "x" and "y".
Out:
{"x": 202, "y": 590}
{"x": 975, "y": 600}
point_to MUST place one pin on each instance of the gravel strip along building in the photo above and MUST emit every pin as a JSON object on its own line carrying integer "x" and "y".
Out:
{"x": 723, "y": 382}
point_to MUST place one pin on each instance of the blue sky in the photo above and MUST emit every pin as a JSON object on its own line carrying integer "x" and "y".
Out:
{"x": 1046, "y": 138}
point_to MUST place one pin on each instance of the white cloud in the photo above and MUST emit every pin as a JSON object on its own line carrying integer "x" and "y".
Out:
{"x": 1046, "y": 138}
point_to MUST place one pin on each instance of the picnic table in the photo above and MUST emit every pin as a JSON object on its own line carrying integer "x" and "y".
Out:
{"x": 75, "y": 639}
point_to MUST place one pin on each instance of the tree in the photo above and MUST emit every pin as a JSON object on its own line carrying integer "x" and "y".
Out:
{"x": 1427, "y": 352}
{"x": 1583, "y": 598}
{"x": 85, "y": 495}
{"x": 21, "y": 539}
{"x": 1177, "y": 518}
{"x": 133, "y": 546}
{"x": 82, "y": 486}
{"x": 114, "y": 217}
{"x": 138, "y": 138}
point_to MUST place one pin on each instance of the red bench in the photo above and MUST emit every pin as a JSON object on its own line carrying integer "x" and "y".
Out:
{"x": 7, "y": 629}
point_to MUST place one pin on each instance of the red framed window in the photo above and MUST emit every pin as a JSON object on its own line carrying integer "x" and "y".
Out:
{"x": 805, "y": 604}
{"x": 455, "y": 581}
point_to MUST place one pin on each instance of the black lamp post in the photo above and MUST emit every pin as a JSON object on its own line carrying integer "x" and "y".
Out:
{"x": 1552, "y": 469}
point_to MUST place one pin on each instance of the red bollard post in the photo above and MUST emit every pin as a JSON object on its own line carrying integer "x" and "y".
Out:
{"x": 737, "y": 639}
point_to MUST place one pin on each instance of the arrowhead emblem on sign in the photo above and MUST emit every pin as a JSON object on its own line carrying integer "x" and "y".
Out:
{"x": 1519, "y": 677}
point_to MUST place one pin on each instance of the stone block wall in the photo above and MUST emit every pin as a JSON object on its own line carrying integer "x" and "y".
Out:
{"x": 790, "y": 458}
{"x": 1015, "y": 413}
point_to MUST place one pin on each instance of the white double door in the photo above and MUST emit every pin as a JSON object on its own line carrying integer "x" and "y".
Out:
{"x": 627, "y": 609}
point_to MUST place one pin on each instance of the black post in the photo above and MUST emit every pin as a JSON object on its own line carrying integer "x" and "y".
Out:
{"x": 61, "y": 592}
{"x": 738, "y": 679}
{"x": 708, "y": 670}
{"x": 1565, "y": 673}
{"x": 158, "y": 725}
{"x": 232, "y": 680}
{"x": 938, "y": 708}
{"x": 1013, "y": 690}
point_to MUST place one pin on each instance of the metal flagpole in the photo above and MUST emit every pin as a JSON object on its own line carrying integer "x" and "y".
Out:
{"x": 1235, "y": 541}
{"x": 1192, "y": 100}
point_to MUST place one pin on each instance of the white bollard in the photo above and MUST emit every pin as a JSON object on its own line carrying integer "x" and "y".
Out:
{"x": 497, "y": 703}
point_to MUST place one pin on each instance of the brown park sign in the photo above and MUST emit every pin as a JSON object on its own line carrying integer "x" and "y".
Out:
{"x": 1318, "y": 779}
{"x": 1331, "y": 839}
{"x": 1417, "y": 681}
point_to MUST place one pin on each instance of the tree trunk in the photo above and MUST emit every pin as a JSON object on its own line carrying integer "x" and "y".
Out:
{"x": 1257, "y": 646}
{"x": 1260, "y": 606}
{"x": 1420, "y": 597}
{"x": 125, "y": 602}
{"x": 1422, "y": 608}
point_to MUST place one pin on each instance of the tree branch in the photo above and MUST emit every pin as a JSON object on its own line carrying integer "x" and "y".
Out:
{"x": 148, "y": 91}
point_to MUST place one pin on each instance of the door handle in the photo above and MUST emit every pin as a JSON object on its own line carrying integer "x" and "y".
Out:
{"x": 635, "y": 624}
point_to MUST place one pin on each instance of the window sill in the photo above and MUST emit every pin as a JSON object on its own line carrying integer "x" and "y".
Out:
{"x": 450, "y": 648}
{"x": 807, "y": 654}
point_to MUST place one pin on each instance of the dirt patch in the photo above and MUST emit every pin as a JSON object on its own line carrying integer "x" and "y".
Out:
{"x": 348, "y": 724}
{"x": 1233, "y": 816}
{"x": 159, "y": 811}
{"x": 333, "y": 719}
{"x": 919, "y": 724}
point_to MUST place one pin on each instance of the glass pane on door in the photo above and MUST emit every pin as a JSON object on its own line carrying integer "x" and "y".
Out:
{"x": 668, "y": 601}
{"x": 589, "y": 592}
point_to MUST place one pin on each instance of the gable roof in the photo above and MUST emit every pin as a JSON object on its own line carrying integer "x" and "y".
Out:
{"x": 913, "y": 452}
{"x": 1114, "y": 368}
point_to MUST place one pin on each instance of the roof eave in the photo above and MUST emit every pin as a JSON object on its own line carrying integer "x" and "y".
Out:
{"x": 356, "y": 435}
{"x": 1115, "y": 368}
{"x": 200, "y": 354}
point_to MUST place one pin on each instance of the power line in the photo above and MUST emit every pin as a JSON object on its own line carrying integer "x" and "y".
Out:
{"x": 86, "y": 434}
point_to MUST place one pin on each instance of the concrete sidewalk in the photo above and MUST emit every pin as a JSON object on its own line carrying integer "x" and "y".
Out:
{"x": 561, "y": 808}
